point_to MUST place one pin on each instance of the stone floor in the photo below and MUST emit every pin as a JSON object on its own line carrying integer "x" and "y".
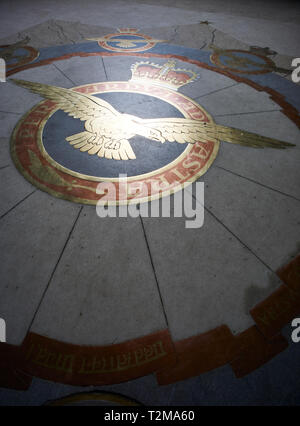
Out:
{"x": 69, "y": 276}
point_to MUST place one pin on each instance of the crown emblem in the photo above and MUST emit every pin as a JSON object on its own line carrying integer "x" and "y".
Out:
{"x": 163, "y": 75}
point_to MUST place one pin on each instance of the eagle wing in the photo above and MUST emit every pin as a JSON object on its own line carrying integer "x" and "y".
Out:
{"x": 180, "y": 130}
{"x": 86, "y": 108}
{"x": 241, "y": 137}
{"x": 76, "y": 104}
{"x": 185, "y": 130}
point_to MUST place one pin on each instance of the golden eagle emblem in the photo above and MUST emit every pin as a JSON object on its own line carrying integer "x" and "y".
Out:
{"x": 107, "y": 131}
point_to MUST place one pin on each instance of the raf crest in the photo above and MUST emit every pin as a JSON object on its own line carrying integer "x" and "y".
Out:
{"x": 108, "y": 132}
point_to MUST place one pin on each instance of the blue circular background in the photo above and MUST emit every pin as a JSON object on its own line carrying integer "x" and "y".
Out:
{"x": 150, "y": 155}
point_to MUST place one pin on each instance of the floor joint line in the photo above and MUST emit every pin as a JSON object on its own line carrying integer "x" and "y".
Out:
{"x": 154, "y": 271}
{"x": 54, "y": 269}
{"x": 215, "y": 91}
{"x": 11, "y": 112}
{"x": 104, "y": 68}
{"x": 257, "y": 183}
{"x": 246, "y": 113}
{"x": 236, "y": 237}
{"x": 17, "y": 204}
{"x": 65, "y": 75}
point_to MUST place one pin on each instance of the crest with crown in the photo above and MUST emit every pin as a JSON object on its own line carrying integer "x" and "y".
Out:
{"x": 165, "y": 75}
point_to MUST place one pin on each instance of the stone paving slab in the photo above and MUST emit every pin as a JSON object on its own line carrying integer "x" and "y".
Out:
{"x": 208, "y": 82}
{"x": 56, "y": 32}
{"x": 276, "y": 169}
{"x": 83, "y": 70}
{"x": 13, "y": 188}
{"x": 106, "y": 293}
{"x": 15, "y": 99}
{"x": 7, "y": 123}
{"x": 5, "y": 158}
{"x": 199, "y": 36}
{"x": 266, "y": 221}
{"x": 280, "y": 36}
{"x": 239, "y": 98}
{"x": 201, "y": 287}
{"x": 117, "y": 14}
{"x": 32, "y": 238}
{"x": 120, "y": 70}
{"x": 236, "y": 8}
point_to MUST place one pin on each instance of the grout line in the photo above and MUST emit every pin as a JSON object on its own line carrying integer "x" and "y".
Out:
{"x": 245, "y": 245}
{"x": 236, "y": 237}
{"x": 54, "y": 270}
{"x": 10, "y": 112}
{"x": 215, "y": 91}
{"x": 246, "y": 113}
{"x": 18, "y": 203}
{"x": 65, "y": 75}
{"x": 154, "y": 271}
{"x": 258, "y": 183}
{"x": 104, "y": 68}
